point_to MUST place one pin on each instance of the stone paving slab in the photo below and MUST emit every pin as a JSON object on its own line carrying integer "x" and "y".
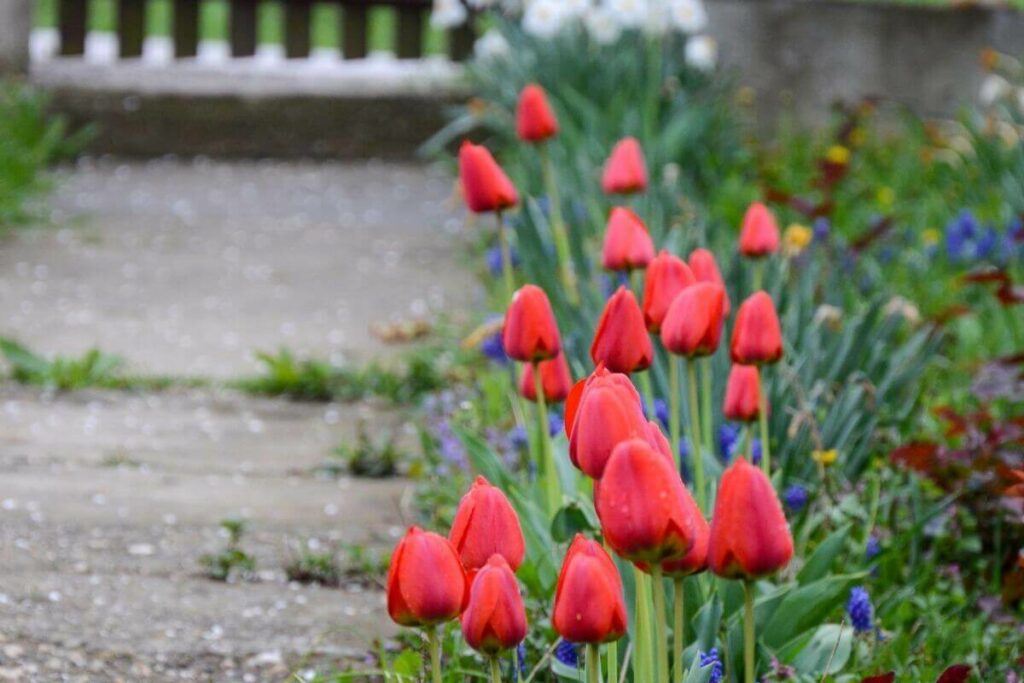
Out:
{"x": 188, "y": 268}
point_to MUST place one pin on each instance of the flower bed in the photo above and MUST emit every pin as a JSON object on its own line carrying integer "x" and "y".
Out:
{"x": 793, "y": 446}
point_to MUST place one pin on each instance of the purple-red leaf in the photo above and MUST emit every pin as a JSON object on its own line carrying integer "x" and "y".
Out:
{"x": 957, "y": 673}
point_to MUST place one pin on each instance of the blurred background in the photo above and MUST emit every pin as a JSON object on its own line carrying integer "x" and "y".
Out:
{"x": 242, "y": 312}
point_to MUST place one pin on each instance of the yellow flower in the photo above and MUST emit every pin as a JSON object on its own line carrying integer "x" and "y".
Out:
{"x": 825, "y": 457}
{"x": 796, "y": 238}
{"x": 886, "y": 196}
{"x": 837, "y": 154}
{"x": 477, "y": 336}
{"x": 930, "y": 237}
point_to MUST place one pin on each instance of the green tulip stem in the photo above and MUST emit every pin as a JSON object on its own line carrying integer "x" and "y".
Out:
{"x": 745, "y": 452}
{"x": 661, "y": 642}
{"x": 762, "y": 410}
{"x": 558, "y": 231}
{"x": 506, "y": 259}
{"x": 547, "y": 460}
{"x": 697, "y": 457}
{"x": 705, "y": 395}
{"x": 677, "y": 630}
{"x": 645, "y": 386}
{"x": 434, "y": 645}
{"x": 495, "y": 670}
{"x": 612, "y": 655}
{"x": 758, "y": 274}
{"x": 593, "y": 663}
{"x": 673, "y": 406}
{"x": 642, "y": 652}
{"x": 748, "y": 630}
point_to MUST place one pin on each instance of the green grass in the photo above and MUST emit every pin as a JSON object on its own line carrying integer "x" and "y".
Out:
{"x": 214, "y": 20}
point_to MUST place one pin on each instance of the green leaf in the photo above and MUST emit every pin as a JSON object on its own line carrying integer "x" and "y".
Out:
{"x": 820, "y": 561}
{"x": 815, "y": 654}
{"x": 806, "y": 607}
{"x": 569, "y": 521}
{"x": 697, "y": 673}
{"x": 408, "y": 663}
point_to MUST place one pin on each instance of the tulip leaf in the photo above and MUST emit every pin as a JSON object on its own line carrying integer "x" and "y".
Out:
{"x": 706, "y": 623}
{"x": 566, "y": 672}
{"x": 812, "y": 653}
{"x": 569, "y": 521}
{"x": 485, "y": 461}
{"x": 820, "y": 561}
{"x": 805, "y": 607}
{"x": 408, "y": 663}
{"x": 698, "y": 673}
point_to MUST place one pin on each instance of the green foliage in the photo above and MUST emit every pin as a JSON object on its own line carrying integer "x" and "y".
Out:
{"x": 310, "y": 566}
{"x": 94, "y": 368}
{"x": 315, "y": 380}
{"x": 30, "y": 140}
{"x": 232, "y": 562}
{"x": 370, "y": 456}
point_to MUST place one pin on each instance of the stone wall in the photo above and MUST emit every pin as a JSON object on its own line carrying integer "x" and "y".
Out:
{"x": 806, "y": 55}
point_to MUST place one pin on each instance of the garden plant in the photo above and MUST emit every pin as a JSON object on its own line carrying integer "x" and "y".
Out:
{"x": 791, "y": 440}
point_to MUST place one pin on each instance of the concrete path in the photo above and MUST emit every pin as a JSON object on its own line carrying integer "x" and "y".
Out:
{"x": 110, "y": 498}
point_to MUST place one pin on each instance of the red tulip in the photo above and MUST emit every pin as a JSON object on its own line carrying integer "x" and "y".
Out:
{"x": 426, "y": 581}
{"x": 555, "y": 379}
{"x": 640, "y": 503}
{"x": 625, "y": 171}
{"x": 486, "y": 524}
{"x": 667, "y": 275}
{"x": 530, "y": 333}
{"x": 534, "y": 119}
{"x": 621, "y": 341}
{"x": 759, "y": 235}
{"x": 606, "y": 412}
{"x": 693, "y": 324}
{"x": 485, "y": 186}
{"x": 749, "y": 533}
{"x": 495, "y": 618}
{"x": 696, "y": 560}
{"x": 756, "y": 337}
{"x": 627, "y": 244}
{"x": 589, "y": 607}
{"x": 743, "y": 394}
{"x": 705, "y": 269}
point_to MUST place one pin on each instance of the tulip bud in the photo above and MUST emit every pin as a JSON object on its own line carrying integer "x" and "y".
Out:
{"x": 627, "y": 244}
{"x": 667, "y": 275}
{"x": 705, "y": 269}
{"x": 640, "y": 503}
{"x": 621, "y": 341}
{"x": 534, "y": 119}
{"x": 426, "y": 581}
{"x": 693, "y": 324}
{"x": 759, "y": 235}
{"x": 749, "y": 533}
{"x": 485, "y": 186}
{"x": 555, "y": 378}
{"x": 495, "y": 618}
{"x": 743, "y": 394}
{"x": 530, "y": 333}
{"x": 486, "y": 524}
{"x": 607, "y": 412}
{"x": 625, "y": 171}
{"x": 589, "y": 606}
{"x": 696, "y": 559}
{"x": 756, "y": 337}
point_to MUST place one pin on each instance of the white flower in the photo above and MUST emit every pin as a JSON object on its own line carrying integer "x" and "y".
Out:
{"x": 544, "y": 18}
{"x": 491, "y": 46}
{"x": 993, "y": 89}
{"x": 656, "y": 23}
{"x": 701, "y": 52}
{"x": 602, "y": 26}
{"x": 628, "y": 13}
{"x": 448, "y": 14}
{"x": 688, "y": 15}
{"x": 576, "y": 8}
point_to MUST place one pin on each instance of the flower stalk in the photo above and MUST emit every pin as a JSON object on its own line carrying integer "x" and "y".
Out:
{"x": 677, "y": 630}
{"x": 748, "y": 631}
{"x": 547, "y": 461}
{"x": 673, "y": 409}
{"x": 558, "y": 230}
{"x": 434, "y": 645}
{"x": 593, "y": 664}
{"x": 506, "y": 257}
{"x": 697, "y": 456}
{"x": 661, "y": 642}
{"x": 763, "y": 419}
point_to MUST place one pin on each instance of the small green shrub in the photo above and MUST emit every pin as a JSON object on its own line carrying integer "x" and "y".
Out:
{"x": 231, "y": 563}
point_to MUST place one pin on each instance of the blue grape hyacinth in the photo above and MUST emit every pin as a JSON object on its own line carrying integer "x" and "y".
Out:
{"x": 859, "y": 609}
{"x": 711, "y": 659}
{"x": 795, "y": 497}
{"x": 567, "y": 654}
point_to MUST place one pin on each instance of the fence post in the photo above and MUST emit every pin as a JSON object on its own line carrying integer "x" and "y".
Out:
{"x": 15, "y": 26}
